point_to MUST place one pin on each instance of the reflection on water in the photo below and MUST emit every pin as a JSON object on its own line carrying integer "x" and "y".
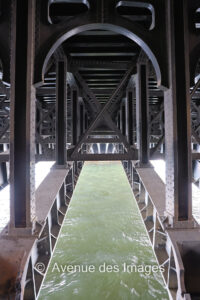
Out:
{"x": 103, "y": 231}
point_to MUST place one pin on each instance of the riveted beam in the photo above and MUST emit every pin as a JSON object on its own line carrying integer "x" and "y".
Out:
{"x": 177, "y": 118}
{"x": 142, "y": 112}
{"x": 22, "y": 136}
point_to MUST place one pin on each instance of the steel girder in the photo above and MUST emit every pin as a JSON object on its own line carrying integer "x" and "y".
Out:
{"x": 50, "y": 36}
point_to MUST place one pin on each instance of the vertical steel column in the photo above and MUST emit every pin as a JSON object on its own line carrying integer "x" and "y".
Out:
{"x": 86, "y": 121}
{"x": 81, "y": 119}
{"x": 61, "y": 112}
{"x": 126, "y": 116}
{"x": 22, "y": 136}
{"x": 84, "y": 126}
{"x": 129, "y": 117}
{"x": 142, "y": 112}
{"x": 120, "y": 118}
{"x": 74, "y": 117}
{"x": 118, "y": 121}
{"x": 78, "y": 124}
{"x": 38, "y": 129}
{"x": 177, "y": 117}
{"x": 84, "y": 115}
{"x": 123, "y": 120}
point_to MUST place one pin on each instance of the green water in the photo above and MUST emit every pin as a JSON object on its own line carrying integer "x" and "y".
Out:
{"x": 102, "y": 228}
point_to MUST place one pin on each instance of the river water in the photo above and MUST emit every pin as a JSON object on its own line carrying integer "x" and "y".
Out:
{"x": 103, "y": 251}
{"x": 41, "y": 171}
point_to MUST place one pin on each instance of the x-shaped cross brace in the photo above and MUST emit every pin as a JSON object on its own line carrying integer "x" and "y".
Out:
{"x": 103, "y": 114}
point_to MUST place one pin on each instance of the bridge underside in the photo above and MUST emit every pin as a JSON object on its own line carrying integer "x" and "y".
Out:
{"x": 99, "y": 80}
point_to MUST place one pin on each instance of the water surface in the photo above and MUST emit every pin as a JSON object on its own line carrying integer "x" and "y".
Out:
{"x": 103, "y": 229}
